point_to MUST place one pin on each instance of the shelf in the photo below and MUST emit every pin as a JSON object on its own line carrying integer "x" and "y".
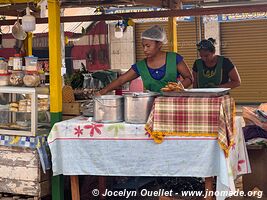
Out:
{"x": 23, "y": 111}
{"x": 22, "y": 132}
{"x": 12, "y": 117}
{"x": 24, "y": 90}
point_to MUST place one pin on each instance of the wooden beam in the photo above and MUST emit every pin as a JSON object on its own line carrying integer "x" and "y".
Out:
{"x": 93, "y": 3}
{"x": 17, "y": 1}
{"x": 156, "y": 3}
{"x": 171, "y": 4}
{"x": 165, "y": 13}
{"x": 19, "y": 9}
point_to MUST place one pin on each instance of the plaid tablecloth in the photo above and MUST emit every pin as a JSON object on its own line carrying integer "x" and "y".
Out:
{"x": 193, "y": 116}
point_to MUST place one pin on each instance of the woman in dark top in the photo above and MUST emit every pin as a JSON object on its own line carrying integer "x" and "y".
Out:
{"x": 213, "y": 70}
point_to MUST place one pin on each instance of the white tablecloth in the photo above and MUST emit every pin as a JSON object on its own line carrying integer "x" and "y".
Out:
{"x": 82, "y": 147}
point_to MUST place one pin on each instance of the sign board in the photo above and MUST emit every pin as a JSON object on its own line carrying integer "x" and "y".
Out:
{"x": 146, "y": 9}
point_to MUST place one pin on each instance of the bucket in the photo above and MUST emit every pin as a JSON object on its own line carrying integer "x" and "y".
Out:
{"x": 109, "y": 109}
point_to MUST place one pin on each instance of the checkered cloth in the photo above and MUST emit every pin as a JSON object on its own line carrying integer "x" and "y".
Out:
{"x": 193, "y": 116}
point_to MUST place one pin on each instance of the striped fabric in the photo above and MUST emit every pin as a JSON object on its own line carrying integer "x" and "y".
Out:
{"x": 193, "y": 116}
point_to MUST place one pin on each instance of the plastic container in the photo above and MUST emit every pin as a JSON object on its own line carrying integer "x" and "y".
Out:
{"x": 3, "y": 66}
{"x": 31, "y": 63}
{"x": 10, "y": 61}
{"x": 4, "y": 79}
{"x": 17, "y": 62}
{"x": 42, "y": 77}
{"x": 16, "y": 78}
{"x": 31, "y": 79}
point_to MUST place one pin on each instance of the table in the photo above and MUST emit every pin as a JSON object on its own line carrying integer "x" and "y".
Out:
{"x": 193, "y": 116}
{"x": 81, "y": 147}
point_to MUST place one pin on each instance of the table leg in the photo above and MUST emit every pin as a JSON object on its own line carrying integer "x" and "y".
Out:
{"x": 75, "y": 192}
{"x": 209, "y": 188}
{"x": 102, "y": 181}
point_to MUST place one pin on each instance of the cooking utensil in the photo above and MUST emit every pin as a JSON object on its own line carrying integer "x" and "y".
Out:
{"x": 137, "y": 106}
{"x": 108, "y": 109}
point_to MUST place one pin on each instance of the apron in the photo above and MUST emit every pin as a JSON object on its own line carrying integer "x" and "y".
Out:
{"x": 152, "y": 84}
{"x": 210, "y": 79}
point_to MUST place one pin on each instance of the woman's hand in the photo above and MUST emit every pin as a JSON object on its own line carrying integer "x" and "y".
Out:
{"x": 97, "y": 94}
{"x": 185, "y": 72}
{"x": 126, "y": 77}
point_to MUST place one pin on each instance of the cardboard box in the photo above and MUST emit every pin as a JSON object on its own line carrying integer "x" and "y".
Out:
{"x": 71, "y": 108}
{"x": 258, "y": 177}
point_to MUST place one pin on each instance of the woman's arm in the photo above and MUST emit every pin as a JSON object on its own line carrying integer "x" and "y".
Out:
{"x": 185, "y": 73}
{"x": 195, "y": 80}
{"x": 235, "y": 80}
{"x": 126, "y": 77}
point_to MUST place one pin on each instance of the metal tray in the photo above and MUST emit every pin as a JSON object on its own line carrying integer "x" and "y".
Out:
{"x": 199, "y": 92}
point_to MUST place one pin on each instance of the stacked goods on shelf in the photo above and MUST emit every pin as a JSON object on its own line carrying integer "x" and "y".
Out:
{"x": 15, "y": 74}
{"x": 24, "y": 105}
{"x": 16, "y": 78}
{"x": 4, "y": 76}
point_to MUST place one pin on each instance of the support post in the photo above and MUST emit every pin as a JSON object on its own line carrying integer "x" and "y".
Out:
{"x": 55, "y": 82}
{"x": 172, "y": 30}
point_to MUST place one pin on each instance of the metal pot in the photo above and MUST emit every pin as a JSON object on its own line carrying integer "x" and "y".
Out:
{"x": 108, "y": 109}
{"x": 137, "y": 107}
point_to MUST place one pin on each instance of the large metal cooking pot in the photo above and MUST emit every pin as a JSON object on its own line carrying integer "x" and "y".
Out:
{"x": 108, "y": 109}
{"x": 137, "y": 107}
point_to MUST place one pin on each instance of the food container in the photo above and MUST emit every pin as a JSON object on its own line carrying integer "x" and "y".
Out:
{"x": 17, "y": 62}
{"x": 31, "y": 79}
{"x": 137, "y": 106}
{"x": 4, "y": 79}
{"x": 10, "y": 61}
{"x": 31, "y": 63}
{"x": 87, "y": 108}
{"x": 108, "y": 109}
{"x": 16, "y": 78}
{"x": 3, "y": 66}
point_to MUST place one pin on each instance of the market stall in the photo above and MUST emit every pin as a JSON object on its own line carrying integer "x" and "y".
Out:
{"x": 76, "y": 135}
{"x": 81, "y": 146}
{"x": 24, "y": 125}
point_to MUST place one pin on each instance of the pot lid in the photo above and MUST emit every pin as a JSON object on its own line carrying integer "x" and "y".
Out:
{"x": 142, "y": 94}
{"x": 109, "y": 97}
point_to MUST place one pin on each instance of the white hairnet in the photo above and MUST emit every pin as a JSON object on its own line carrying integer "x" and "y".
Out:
{"x": 155, "y": 33}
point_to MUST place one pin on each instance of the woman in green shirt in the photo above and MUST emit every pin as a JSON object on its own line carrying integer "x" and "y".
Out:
{"x": 158, "y": 68}
{"x": 212, "y": 70}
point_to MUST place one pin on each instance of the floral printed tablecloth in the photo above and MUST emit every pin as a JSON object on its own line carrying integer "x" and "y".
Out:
{"x": 82, "y": 147}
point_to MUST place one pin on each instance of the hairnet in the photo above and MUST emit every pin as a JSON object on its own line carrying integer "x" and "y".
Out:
{"x": 155, "y": 33}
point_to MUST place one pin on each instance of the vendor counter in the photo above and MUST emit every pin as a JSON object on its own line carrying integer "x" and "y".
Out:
{"x": 82, "y": 147}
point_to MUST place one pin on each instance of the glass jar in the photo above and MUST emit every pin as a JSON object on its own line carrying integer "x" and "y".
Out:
{"x": 10, "y": 61}
{"x": 4, "y": 79}
{"x": 16, "y": 78}
{"x": 31, "y": 79}
{"x": 17, "y": 62}
{"x": 3, "y": 66}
